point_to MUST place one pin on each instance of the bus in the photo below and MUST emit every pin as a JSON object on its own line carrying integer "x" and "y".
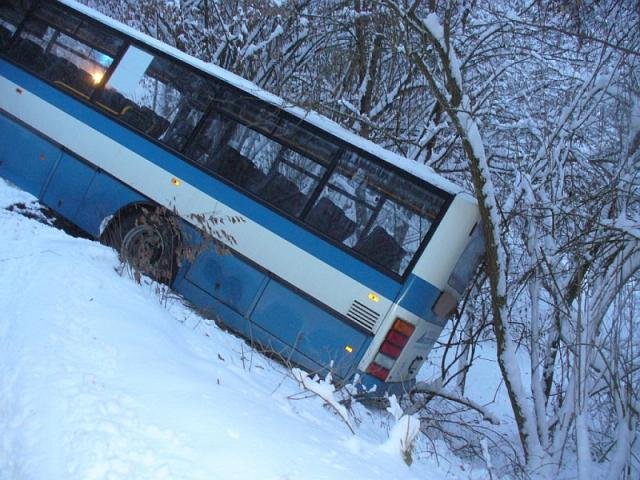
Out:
{"x": 313, "y": 243}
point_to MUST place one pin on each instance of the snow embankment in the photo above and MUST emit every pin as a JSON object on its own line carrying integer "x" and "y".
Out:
{"x": 98, "y": 380}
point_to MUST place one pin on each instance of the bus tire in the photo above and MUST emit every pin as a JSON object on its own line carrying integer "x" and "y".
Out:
{"x": 147, "y": 240}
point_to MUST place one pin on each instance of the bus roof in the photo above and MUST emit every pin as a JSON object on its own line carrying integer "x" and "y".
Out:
{"x": 414, "y": 168}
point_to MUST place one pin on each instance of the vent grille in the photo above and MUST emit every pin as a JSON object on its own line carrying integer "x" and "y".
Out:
{"x": 363, "y": 315}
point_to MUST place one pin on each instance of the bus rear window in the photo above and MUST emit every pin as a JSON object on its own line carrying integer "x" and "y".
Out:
{"x": 469, "y": 261}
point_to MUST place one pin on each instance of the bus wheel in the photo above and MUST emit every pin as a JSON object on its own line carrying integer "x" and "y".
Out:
{"x": 147, "y": 240}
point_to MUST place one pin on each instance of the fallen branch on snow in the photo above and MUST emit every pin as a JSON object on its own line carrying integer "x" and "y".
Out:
{"x": 431, "y": 389}
{"x": 325, "y": 390}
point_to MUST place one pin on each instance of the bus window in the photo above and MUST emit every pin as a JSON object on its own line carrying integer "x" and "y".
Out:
{"x": 350, "y": 190}
{"x": 189, "y": 112}
{"x": 468, "y": 262}
{"x": 302, "y": 171}
{"x": 55, "y": 16}
{"x": 11, "y": 14}
{"x": 392, "y": 242}
{"x": 268, "y": 178}
{"x": 406, "y": 215}
{"x": 251, "y": 153}
{"x": 330, "y": 219}
{"x": 156, "y": 96}
{"x": 303, "y": 139}
{"x": 282, "y": 177}
{"x": 99, "y": 38}
{"x": 213, "y": 133}
{"x": 381, "y": 215}
{"x": 75, "y": 58}
{"x": 382, "y": 248}
{"x": 250, "y": 111}
{"x": 182, "y": 125}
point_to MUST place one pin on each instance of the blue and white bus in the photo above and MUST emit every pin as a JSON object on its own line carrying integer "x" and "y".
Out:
{"x": 340, "y": 255}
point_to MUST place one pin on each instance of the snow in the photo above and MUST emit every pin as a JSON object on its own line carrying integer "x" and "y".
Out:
{"x": 419, "y": 170}
{"x": 103, "y": 378}
{"x": 403, "y": 433}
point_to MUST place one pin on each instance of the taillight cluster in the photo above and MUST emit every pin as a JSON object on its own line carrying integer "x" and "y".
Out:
{"x": 391, "y": 349}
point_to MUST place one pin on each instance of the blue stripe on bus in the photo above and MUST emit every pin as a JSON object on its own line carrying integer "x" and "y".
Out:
{"x": 247, "y": 207}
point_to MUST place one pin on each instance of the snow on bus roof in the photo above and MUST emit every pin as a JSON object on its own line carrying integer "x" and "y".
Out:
{"x": 414, "y": 168}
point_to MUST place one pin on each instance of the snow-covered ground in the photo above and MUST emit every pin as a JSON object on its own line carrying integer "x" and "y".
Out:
{"x": 102, "y": 378}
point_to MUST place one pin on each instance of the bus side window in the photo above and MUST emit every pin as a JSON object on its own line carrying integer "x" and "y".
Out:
{"x": 182, "y": 126}
{"x": 376, "y": 212}
{"x": 253, "y": 162}
{"x": 11, "y": 14}
{"x": 213, "y": 133}
{"x": 290, "y": 178}
{"x": 399, "y": 234}
{"x": 302, "y": 138}
{"x": 254, "y": 113}
{"x": 256, "y": 156}
{"x": 327, "y": 217}
{"x": 302, "y": 171}
{"x": 74, "y": 56}
{"x": 348, "y": 189}
{"x": 378, "y": 245}
{"x": 161, "y": 96}
{"x": 218, "y": 147}
{"x": 407, "y": 214}
{"x": 195, "y": 96}
{"x": 28, "y": 49}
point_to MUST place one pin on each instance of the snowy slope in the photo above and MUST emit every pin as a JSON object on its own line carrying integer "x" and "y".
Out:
{"x": 101, "y": 380}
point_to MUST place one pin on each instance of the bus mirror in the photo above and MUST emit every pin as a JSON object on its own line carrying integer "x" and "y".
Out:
{"x": 445, "y": 305}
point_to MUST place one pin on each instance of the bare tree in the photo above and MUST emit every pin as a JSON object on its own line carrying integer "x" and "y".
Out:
{"x": 555, "y": 258}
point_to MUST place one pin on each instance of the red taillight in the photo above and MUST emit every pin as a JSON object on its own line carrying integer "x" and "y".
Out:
{"x": 396, "y": 338}
{"x": 390, "y": 349}
{"x": 378, "y": 371}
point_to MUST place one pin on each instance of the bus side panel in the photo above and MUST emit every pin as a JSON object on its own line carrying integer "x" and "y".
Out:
{"x": 309, "y": 329}
{"x": 227, "y": 286}
{"x": 209, "y": 307}
{"x": 226, "y": 278}
{"x": 283, "y": 351}
{"x": 26, "y": 159}
{"x": 230, "y": 318}
{"x": 104, "y": 197}
{"x": 68, "y": 185}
